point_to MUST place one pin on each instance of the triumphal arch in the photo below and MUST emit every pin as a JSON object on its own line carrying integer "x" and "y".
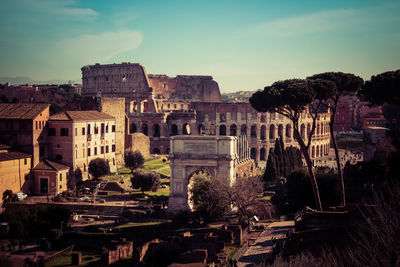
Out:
{"x": 217, "y": 155}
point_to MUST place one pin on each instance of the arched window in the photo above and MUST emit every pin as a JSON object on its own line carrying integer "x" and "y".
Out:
{"x": 288, "y": 131}
{"x": 272, "y": 132}
{"x": 262, "y": 132}
{"x": 202, "y": 129}
{"x": 186, "y": 129}
{"x": 232, "y": 131}
{"x": 317, "y": 129}
{"x": 262, "y": 154}
{"x": 303, "y": 131}
{"x": 145, "y": 129}
{"x": 313, "y": 152}
{"x": 174, "y": 130}
{"x": 156, "y": 131}
{"x": 308, "y": 130}
{"x": 243, "y": 130}
{"x": 253, "y": 131}
{"x": 280, "y": 130}
{"x": 222, "y": 130}
{"x": 317, "y": 151}
{"x": 253, "y": 153}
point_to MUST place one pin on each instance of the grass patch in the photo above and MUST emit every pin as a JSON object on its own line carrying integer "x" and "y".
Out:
{"x": 88, "y": 257}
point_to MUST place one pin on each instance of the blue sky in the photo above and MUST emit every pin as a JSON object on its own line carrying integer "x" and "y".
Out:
{"x": 244, "y": 45}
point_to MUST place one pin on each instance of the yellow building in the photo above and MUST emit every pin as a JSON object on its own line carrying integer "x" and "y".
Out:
{"x": 50, "y": 178}
{"x": 14, "y": 171}
{"x": 77, "y": 137}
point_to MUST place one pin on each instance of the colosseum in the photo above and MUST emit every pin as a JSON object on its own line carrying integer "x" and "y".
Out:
{"x": 160, "y": 106}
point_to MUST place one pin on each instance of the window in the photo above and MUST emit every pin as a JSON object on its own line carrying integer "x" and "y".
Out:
{"x": 59, "y": 157}
{"x": 113, "y": 128}
{"x": 83, "y": 152}
{"x": 36, "y": 125}
{"x": 106, "y": 149}
{"x": 88, "y": 152}
{"x": 102, "y": 128}
{"x": 40, "y": 125}
{"x": 76, "y": 131}
{"x": 64, "y": 132}
{"x": 113, "y": 148}
{"x": 25, "y": 161}
{"x": 95, "y": 151}
{"x": 107, "y": 128}
{"x": 83, "y": 131}
{"x": 76, "y": 154}
{"x": 102, "y": 150}
{"x": 51, "y": 132}
{"x": 96, "y": 129}
{"x": 60, "y": 177}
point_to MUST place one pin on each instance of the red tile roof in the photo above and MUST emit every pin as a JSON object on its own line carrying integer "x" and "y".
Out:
{"x": 6, "y": 156}
{"x": 21, "y": 111}
{"x": 86, "y": 115}
{"x": 50, "y": 165}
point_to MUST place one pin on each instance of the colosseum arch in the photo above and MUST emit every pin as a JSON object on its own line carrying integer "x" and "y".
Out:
{"x": 262, "y": 154}
{"x": 253, "y": 153}
{"x": 280, "y": 130}
{"x": 190, "y": 154}
{"x": 303, "y": 131}
{"x": 222, "y": 130}
{"x": 288, "y": 130}
{"x": 132, "y": 128}
{"x": 174, "y": 130}
{"x": 233, "y": 130}
{"x": 263, "y": 132}
{"x": 156, "y": 131}
{"x": 243, "y": 129}
{"x": 253, "y": 131}
{"x": 272, "y": 132}
{"x": 145, "y": 129}
{"x": 186, "y": 129}
{"x": 202, "y": 129}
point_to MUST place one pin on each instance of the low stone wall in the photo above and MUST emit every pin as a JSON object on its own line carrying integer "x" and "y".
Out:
{"x": 247, "y": 169}
{"x": 117, "y": 251}
{"x": 138, "y": 141}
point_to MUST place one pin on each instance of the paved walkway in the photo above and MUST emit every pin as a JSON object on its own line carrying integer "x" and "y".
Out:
{"x": 263, "y": 246}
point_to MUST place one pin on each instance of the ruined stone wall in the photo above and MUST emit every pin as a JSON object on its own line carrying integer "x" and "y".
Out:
{"x": 138, "y": 141}
{"x": 114, "y": 80}
{"x": 116, "y": 108}
{"x": 185, "y": 87}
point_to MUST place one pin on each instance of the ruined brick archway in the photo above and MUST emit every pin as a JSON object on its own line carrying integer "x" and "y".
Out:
{"x": 216, "y": 155}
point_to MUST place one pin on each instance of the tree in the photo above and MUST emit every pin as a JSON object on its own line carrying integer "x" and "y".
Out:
{"x": 98, "y": 167}
{"x": 133, "y": 160}
{"x": 270, "y": 170}
{"x": 78, "y": 176}
{"x": 7, "y": 195}
{"x": 346, "y": 84}
{"x": 146, "y": 181}
{"x": 291, "y": 98}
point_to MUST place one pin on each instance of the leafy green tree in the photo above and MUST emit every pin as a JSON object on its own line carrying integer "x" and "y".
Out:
{"x": 98, "y": 167}
{"x": 133, "y": 160}
{"x": 145, "y": 181}
{"x": 346, "y": 84}
{"x": 270, "y": 170}
{"x": 291, "y": 98}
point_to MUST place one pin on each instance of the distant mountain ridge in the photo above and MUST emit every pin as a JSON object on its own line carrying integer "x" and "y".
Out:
{"x": 237, "y": 97}
{"x": 25, "y": 80}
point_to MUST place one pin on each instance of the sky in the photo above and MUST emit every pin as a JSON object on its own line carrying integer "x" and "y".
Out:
{"x": 244, "y": 45}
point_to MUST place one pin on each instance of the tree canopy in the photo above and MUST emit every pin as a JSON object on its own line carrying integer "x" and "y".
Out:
{"x": 382, "y": 88}
{"x": 133, "y": 160}
{"x": 98, "y": 167}
{"x": 145, "y": 181}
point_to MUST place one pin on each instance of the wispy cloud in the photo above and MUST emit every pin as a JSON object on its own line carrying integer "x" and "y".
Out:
{"x": 307, "y": 24}
{"x": 88, "y": 49}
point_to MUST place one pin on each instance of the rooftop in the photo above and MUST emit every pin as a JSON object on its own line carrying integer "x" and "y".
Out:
{"x": 84, "y": 115}
{"x": 6, "y": 156}
{"x": 50, "y": 166}
{"x": 21, "y": 111}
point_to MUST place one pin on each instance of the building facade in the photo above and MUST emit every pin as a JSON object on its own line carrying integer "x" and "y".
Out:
{"x": 50, "y": 178}
{"x": 77, "y": 137}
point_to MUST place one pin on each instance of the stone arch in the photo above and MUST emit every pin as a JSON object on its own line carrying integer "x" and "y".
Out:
{"x": 174, "y": 130}
{"x": 202, "y": 129}
{"x": 253, "y": 131}
{"x": 313, "y": 151}
{"x": 262, "y": 154}
{"x": 317, "y": 151}
{"x": 144, "y": 106}
{"x": 253, "y": 153}
{"x": 263, "y": 132}
{"x": 308, "y": 130}
{"x": 280, "y": 130}
{"x": 272, "y": 132}
{"x": 156, "y": 131}
{"x": 133, "y": 128}
{"x": 155, "y": 151}
{"x": 186, "y": 129}
{"x": 222, "y": 130}
{"x": 317, "y": 129}
{"x": 243, "y": 129}
{"x": 145, "y": 129}
{"x": 233, "y": 130}
{"x": 288, "y": 130}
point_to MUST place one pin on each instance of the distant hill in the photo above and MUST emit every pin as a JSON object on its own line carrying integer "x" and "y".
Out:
{"x": 240, "y": 96}
{"x": 25, "y": 80}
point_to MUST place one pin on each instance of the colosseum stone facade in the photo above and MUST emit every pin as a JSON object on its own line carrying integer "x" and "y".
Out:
{"x": 160, "y": 106}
